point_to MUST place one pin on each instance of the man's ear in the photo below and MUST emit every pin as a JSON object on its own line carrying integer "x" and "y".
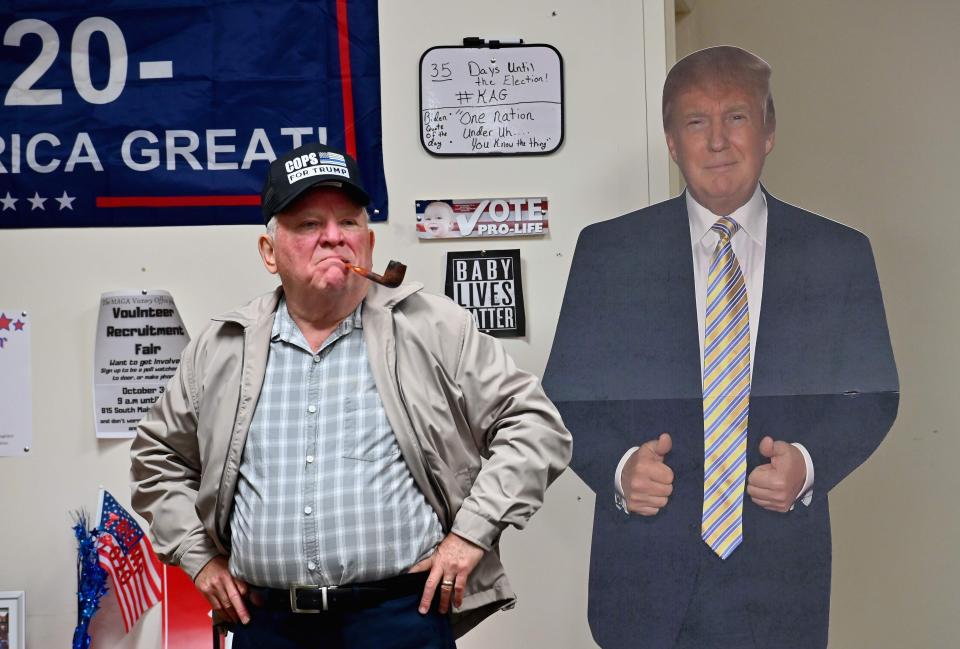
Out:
{"x": 267, "y": 253}
{"x": 671, "y": 145}
{"x": 769, "y": 141}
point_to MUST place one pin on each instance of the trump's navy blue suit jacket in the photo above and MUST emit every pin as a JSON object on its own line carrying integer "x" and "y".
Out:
{"x": 625, "y": 367}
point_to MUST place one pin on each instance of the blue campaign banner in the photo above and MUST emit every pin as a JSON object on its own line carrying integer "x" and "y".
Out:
{"x": 137, "y": 113}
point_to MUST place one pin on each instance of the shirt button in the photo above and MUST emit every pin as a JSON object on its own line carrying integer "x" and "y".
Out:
{"x": 309, "y": 459}
{"x": 316, "y": 359}
{"x": 312, "y": 409}
{"x": 308, "y": 510}
{"x": 311, "y": 565}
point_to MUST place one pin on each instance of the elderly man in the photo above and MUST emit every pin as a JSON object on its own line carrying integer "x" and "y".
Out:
{"x": 335, "y": 453}
{"x": 711, "y": 430}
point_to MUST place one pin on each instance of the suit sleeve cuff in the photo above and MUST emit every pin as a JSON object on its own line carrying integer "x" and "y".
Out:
{"x": 618, "y": 496}
{"x": 806, "y": 492}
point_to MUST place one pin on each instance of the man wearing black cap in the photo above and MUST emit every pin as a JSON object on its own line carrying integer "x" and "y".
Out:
{"x": 334, "y": 462}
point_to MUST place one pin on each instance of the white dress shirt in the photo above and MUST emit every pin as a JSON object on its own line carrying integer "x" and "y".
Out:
{"x": 750, "y": 247}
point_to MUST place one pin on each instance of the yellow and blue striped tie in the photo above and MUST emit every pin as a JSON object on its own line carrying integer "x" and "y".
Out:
{"x": 726, "y": 396}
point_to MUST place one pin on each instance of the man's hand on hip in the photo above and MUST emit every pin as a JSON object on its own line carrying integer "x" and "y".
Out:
{"x": 224, "y": 592}
{"x": 647, "y": 481}
{"x": 776, "y": 485}
{"x": 451, "y": 564}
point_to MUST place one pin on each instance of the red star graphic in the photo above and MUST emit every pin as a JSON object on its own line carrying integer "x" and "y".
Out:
{"x": 5, "y": 321}
{"x": 18, "y": 325}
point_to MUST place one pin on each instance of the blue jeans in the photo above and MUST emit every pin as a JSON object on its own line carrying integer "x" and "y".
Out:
{"x": 394, "y": 624}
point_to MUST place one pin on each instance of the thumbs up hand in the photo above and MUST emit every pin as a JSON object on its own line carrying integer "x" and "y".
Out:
{"x": 776, "y": 485}
{"x": 647, "y": 481}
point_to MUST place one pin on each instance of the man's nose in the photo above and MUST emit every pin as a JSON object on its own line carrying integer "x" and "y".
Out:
{"x": 332, "y": 233}
{"x": 718, "y": 137}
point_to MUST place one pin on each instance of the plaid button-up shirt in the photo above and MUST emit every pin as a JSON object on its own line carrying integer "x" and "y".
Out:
{"x": 324, "y": 495}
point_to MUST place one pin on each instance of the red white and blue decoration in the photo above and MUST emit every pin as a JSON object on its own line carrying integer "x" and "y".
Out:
{"x": 91, "y": 580}
{"x": 125, "y": 553}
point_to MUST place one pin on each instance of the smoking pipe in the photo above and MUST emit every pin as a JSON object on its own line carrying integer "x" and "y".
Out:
{"x": 392, "y": 276}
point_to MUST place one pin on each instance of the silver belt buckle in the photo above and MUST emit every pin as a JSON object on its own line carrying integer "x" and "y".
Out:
{"x": 323, "y": 598}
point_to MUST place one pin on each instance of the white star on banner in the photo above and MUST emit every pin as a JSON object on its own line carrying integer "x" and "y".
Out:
{"x": 36, "y": 202}
{"x": 66, "y": 202}
{"x": 9, "y": 203}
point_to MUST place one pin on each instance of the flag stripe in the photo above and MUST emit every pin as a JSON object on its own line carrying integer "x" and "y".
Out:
{"x": 121, "y": 599}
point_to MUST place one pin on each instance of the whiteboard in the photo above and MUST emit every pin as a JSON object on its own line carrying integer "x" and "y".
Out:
{"x": 505, "y": 100}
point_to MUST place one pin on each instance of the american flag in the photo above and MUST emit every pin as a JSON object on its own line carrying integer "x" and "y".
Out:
{"x": 331, "y": 158}
{"x": 126, "y": 555}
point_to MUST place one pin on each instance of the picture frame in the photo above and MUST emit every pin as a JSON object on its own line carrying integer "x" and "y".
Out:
{"x": 13, "y": 628}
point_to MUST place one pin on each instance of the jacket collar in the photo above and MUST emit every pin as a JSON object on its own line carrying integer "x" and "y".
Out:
{"x": 264, "y": 307}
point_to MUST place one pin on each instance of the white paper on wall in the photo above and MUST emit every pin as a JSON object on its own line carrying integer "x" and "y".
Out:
{"x": 139, "y": 339}
{"x": 16, "y": 401}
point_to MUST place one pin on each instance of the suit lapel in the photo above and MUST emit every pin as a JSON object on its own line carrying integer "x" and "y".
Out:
{"x": 667, "y": 314}
{"x": 686, "y": 306}
{"x": 777, "y": 282}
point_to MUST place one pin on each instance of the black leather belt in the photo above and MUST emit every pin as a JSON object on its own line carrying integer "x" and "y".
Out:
{"x": 349, "y": 597}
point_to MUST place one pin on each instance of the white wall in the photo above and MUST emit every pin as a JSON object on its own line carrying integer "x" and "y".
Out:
{"x": 614, "y": 51}
{"x": 866, "y": 96}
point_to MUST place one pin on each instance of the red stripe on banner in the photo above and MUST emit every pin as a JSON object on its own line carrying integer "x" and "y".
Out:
{"x": 179, "y": 201}
{"x": 343, "y": 38}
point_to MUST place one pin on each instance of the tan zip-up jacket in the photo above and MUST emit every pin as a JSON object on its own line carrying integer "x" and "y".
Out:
{"x": 480, "y": 437}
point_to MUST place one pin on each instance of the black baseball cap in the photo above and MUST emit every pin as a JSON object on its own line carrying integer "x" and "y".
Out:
{"x": 308, "y": 166}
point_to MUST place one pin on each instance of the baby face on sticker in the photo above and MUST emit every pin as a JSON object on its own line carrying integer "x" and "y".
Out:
{"x": 438, "y": 220}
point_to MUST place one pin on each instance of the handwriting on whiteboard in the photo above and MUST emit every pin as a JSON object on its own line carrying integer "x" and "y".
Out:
{"x": 477, "y": 101}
